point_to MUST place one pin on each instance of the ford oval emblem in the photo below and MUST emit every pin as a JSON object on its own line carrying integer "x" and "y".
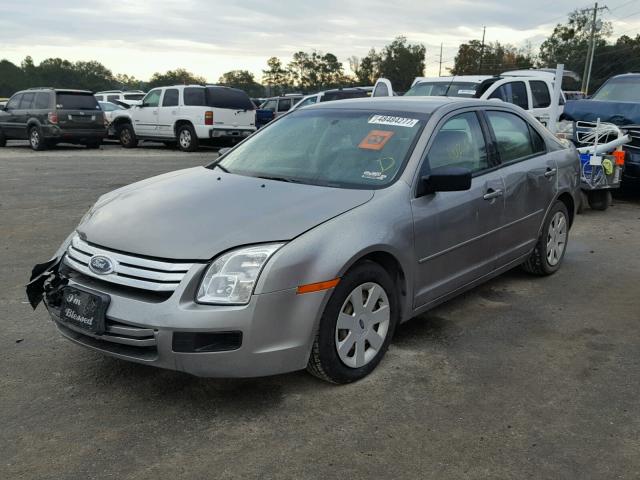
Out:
{"x": 101, "y": 265}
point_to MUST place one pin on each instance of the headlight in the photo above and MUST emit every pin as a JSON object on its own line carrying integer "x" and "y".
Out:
{"x": 231, "y": 277}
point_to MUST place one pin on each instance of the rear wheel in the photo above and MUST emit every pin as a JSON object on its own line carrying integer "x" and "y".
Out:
{"x": 187, "y": 139}
{"x": 127, "y": 136}
{"x": 548, "y": 253}
{"x": 36, "y": 140}
{"x": 356, "y": 326}
{"x": 599, "y": 199}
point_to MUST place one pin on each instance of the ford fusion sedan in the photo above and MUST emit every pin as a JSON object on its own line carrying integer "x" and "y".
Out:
{"x": 307, "y": 244}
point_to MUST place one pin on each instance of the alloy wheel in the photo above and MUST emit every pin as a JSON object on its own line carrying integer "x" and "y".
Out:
{"x": 185, "y": 138}
{"x": 556, "y": 238}
{"x": 363, "y": 324}
{"x": 34, "y": 138}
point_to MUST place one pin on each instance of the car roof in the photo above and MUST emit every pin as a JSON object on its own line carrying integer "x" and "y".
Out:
{"x": 57, "y": 90}
{"x": 426, "y": 105}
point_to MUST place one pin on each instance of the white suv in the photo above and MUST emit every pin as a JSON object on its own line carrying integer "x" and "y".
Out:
{"x": 188, "y": 115}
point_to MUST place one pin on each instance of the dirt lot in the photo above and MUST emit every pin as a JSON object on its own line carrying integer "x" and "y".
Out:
{"x": 520, "y": 378}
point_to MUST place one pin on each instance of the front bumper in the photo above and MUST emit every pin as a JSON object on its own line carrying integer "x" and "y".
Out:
{"x": 277, "y": 329}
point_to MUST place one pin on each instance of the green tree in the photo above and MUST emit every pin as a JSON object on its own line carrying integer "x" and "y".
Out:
{"x": 244, "y": 80}
{"x": 276, "y": 77}
{"x": 369, "y": 68}
{"x": 496, "y": 58}
{"x": 401, "y": 62}
{"x": 12, "y": 78}
{"x": 179, "y": 76}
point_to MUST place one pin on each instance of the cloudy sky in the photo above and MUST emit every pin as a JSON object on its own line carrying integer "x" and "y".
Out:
{"x": 210, "y": 37}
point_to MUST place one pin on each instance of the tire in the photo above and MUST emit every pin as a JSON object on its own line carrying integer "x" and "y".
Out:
{"x": 358, "y": 356}
{"x": 127, "y": 136}
{"x": 36, "y": 140}
{"x": 3, "y": 139}
{"x": 599, "y": 199}
{"x": 94, "y": 145}
{"x": 550, "y": 248}
{"x": 187, "y": 139}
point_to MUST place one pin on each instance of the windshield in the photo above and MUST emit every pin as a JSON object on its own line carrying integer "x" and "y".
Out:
{"x": 621, "y": 89}
{"x": 77, "y": 101}
{"x": 332, "y": 147}
{"x": 443, "y": 89}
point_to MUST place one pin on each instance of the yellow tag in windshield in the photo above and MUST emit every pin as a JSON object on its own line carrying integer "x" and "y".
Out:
{"x": 376, "y": 140}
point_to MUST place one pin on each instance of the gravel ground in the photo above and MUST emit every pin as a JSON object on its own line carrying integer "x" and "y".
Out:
{"x": 520, "y": 378}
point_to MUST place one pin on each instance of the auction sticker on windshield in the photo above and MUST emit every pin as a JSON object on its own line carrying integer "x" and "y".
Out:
{"x": 394, "y": 121}
{"x": 376, "y": 140}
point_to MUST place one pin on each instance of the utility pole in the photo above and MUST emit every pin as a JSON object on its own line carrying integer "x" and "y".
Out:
{"x": 588, "y": 63}
{"x": 484, "y": 29}
{"x": 440, "y": 67}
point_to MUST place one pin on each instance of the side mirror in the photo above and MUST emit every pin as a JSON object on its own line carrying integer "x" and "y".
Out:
{"x": 445, "y": 179}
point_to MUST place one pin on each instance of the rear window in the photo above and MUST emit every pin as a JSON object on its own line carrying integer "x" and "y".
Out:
{"x": 232, "y": 98}
{"x": 133, "y": 96}
{"x": 76, "y": 101}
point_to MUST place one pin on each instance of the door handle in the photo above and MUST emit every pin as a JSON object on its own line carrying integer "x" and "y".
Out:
{"x": 491, "y": 194}
{"x": 551, "y": 172}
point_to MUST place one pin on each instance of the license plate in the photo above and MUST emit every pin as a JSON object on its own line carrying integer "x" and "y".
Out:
{"x": 84, "y": 309}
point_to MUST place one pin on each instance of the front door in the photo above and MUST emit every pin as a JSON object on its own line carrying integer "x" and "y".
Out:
{"x": 456, "y": 233}
{"x": 146, "y": 115}
{"x": 9, "y": 119}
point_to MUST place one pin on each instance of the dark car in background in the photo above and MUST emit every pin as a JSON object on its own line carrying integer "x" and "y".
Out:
{"x": 47, "y": 116}
{"x": 617, "y": 101}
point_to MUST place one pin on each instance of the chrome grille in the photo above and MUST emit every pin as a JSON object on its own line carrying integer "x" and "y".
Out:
{"x": 128, "y": 270}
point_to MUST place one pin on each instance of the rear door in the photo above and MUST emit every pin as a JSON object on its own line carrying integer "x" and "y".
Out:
{"x": 23, "y": 113}
{"x": 168, "y": 112}
{"x": 232, "y": 108}
{"x": 78, "y": 111}
{"x": 530, "y": 176}
{"x": 145, "y": 115}
{"x": 540, "y": 100}
{"x": 284, "y": 105}
{"x": 511, "y": 91}
{"x": 456, "y": 233}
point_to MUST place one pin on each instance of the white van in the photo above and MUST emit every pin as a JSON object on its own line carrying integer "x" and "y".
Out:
{"x": 188, "y": 115}
{"x": 530, "y": 91}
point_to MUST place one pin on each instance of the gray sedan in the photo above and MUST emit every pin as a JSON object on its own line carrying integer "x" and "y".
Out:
{"x": 307, "y": 245}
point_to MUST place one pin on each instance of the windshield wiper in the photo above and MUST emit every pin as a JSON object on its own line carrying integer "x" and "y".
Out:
{"x": 277, "y": 179}
{"x": 221, "y": 167}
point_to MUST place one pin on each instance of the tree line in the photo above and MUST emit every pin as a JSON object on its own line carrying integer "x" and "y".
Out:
{"x": 400, "y": 61}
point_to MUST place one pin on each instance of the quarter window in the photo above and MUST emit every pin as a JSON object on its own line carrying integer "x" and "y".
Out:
{"x": 152, "y": 99}
{"x": 170, "y": 98}
{"x": 194, "y": 96}
{"x": 284, "y": 105}
{"x": 513, "y": 136}
{"x": 540, "y": 94}
{"x": 459, "y": 143}
{"x": 42, "y": 101}
{"x": 512, "y": 92}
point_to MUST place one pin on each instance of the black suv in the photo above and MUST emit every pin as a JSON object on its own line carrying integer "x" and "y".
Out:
{"x": 47, "y": 116}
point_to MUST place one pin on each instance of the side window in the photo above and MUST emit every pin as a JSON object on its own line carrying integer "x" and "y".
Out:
{"x": 99, "y": 98}
{"x": 512, "y": 92}
{"x": 459, "y": 143}
{"x": 540, "y": 94}
{"x": 42, "y": 101}
{"x": 110, "y": 98}
{"x": 170, "y": 98}
{"x": 270, "y": 105}
{"x": 27, "y": 101}
{"x": 152, "y": 99}
{"x": 537, "y": 141}
{"x": 512, "y": 135}
{"x": 308, "y": 101}
{"x": 14, "y": 103}
{"x": 284, "y": 104}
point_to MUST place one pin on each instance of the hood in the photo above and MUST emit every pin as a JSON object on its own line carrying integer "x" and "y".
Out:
{"x": 197, "y": 213}
{"x": 618, "y": 113}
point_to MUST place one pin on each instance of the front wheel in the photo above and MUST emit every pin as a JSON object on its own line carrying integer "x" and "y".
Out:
{"x": 187, "y": 139}
{"x": 549, "y": 251}
{"x": 599, "y": 199}
{"x": 127, "y": 136}
{"x": 356, "y": 327}
{"x": 36, "y": 141}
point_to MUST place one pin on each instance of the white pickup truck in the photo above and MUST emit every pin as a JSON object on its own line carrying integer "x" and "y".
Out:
{"x": 187, "y": 115}
{"x": 531, "y": 91}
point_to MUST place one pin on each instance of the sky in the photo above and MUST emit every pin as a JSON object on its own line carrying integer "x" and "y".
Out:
{"x": 210, "y": 37}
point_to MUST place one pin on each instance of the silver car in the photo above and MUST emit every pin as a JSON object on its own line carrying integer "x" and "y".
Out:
{"x": 307, "y": 244}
